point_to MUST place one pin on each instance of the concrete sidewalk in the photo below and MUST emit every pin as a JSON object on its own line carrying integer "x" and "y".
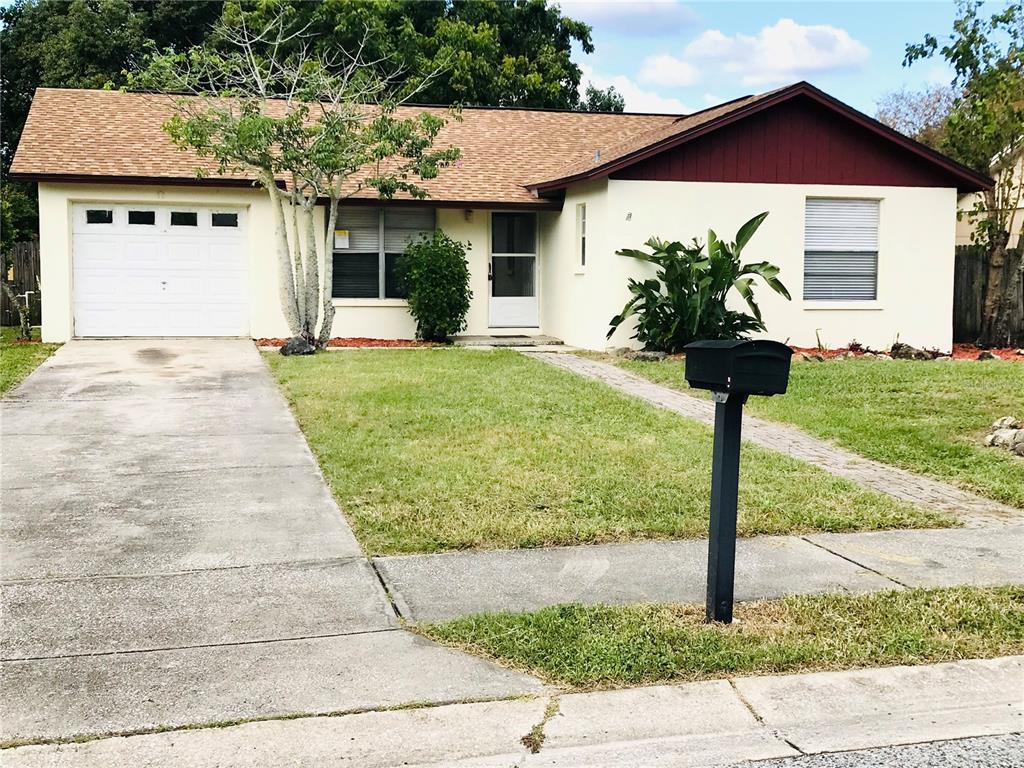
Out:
{"x": 715, "y": 723}
{"x": 171, "y": 556}
{"x": 444, "y": 586}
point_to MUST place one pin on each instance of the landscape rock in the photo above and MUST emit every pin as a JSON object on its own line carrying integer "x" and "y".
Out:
{"x": 1007, "y": 432}
{"x": 812, "y": 358}
{"x": 650, "y": 356}
{"x": 902, "y": 351}
{"x": 884, "y": 356}
{"x": 847, "y": 354}
{"x": 1006, "y": 422}
{"x": 643, "y": 355}
{"x": 987, "y": 354}
{"x": 1004, "y": 438}
{"x": 869, "y": 354}
{"x": 297, "y": 346}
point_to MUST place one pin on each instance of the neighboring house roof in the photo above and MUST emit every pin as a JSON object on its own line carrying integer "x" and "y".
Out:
{"x": 510, "y": 157}
{"x": 635, "y": 149}
{"x": 83, "y": 135}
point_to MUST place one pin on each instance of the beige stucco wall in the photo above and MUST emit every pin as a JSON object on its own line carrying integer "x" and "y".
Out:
{"x": 915, "y": 283}
{"x": 373, "y": 318}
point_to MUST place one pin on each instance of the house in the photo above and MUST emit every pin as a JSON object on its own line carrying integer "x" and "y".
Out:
{"x": 862, "y": 221}
{"x": 1015, "y": 202}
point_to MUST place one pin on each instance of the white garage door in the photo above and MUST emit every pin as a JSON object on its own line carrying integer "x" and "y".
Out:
{"x": 145, "y": 270}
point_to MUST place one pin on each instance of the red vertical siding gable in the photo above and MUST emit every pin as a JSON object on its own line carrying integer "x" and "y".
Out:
{"x": 796, "y": 142}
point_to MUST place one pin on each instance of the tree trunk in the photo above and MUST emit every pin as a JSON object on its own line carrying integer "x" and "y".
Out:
{"x": 993, "y": 314}
{"x": 298, "y": 268}
{"x": 286, "y": 280}
{"x": 328, "y": 286}
{"x": 24, "y": 312}
{"x": 312, "y": 268}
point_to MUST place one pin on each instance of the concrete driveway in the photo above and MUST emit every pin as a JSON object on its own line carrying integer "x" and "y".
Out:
{"x": 171, "y": 556}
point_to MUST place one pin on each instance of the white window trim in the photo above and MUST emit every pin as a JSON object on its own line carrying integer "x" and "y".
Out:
{"x": 869, "y": 305}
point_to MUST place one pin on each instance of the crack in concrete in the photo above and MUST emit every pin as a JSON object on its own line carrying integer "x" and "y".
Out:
{"x": 159, "y": 574}
{"x": 775, "y": 732}
{"x": 534, "y": 740}
{"x": 854, "y": 562}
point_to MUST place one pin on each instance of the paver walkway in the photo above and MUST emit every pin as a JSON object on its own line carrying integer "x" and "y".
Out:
{"x": 171, "y": 556}
{"x": 972, "y": 510}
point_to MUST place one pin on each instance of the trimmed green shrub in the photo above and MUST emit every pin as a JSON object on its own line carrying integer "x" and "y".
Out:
{"x": 686, "y": 301}
{"x": 435, "y": 277}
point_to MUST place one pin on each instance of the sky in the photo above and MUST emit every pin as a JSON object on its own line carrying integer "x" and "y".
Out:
{"x": 671, "y": 56}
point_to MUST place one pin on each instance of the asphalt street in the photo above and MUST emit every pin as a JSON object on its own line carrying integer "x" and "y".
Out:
{"x": 984, "y": 752}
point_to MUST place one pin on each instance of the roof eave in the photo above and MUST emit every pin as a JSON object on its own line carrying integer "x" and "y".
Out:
{"x": 973, "y": 181}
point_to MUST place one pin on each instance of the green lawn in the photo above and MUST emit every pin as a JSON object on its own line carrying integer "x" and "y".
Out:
{"x": 924, "y": 417}
{"x": 19, "y": 359}
{"x": 603, "y": 646}
{"x": 430, "y": 450}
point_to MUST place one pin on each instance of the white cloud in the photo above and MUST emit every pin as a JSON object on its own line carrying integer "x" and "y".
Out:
{"x": 783, "y": 52}
{"x": 636, "y": 18}
{"x": 637, "y": 99}
{"x": 663, "y": 69}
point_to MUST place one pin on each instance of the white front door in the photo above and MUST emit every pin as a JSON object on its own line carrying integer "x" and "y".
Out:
{"x": 148, "y": 270}
{"x": 513, "y": 271}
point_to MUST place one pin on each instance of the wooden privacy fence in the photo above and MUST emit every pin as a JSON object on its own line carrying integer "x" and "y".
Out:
{"x": 970, "y": 280}
{"x": 23, "y": 277}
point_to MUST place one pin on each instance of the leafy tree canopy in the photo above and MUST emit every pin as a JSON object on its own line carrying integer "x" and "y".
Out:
{"x": 493, "y": 53}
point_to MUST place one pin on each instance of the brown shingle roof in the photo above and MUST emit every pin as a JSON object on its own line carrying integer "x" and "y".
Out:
{"x": 650, "y": 137}
{"x": 81, "y": 134}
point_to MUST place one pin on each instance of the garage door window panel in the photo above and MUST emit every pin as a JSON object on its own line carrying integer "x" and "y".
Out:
{"x": 99, "y": 216}
{"x": 184, "y": 219}
{"x": 142, "y": 218}
{"x": 224, "y": 219}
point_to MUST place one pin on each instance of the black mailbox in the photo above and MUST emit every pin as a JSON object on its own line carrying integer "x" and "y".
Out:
{"x": 732, "y": 370}
{"x": 740, "y": 366}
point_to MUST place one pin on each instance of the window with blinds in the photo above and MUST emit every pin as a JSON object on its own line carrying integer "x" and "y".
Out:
{"x": 377, "y": 237}
{"x": 841, "y": 250}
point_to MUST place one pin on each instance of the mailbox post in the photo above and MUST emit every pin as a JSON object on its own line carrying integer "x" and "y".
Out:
{"x": 732, "y": 370}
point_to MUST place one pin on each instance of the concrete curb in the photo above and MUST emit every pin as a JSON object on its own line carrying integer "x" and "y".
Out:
{"x": 695, "y": 724}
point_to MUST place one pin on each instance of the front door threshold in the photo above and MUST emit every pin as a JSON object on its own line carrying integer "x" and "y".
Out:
{"x": 507, "y": 340}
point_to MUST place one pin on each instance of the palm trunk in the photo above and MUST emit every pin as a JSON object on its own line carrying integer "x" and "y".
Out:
{"x": 286, "y": 278}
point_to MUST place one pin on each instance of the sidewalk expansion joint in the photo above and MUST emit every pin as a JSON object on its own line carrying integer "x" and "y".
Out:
{"x": 199, "y": 646}
{"x": 47, "y": 482}
{"x": 534, "y": 740}
{"x": 760, "y": 720}
{"x": 185, "y": 572}
{"x": 387, "y": 590}
{"x": 841, "y": 556}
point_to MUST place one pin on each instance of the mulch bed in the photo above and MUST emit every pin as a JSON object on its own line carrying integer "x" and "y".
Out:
{"x": 960, "y": 352}
{"x": 355, "y": 342}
